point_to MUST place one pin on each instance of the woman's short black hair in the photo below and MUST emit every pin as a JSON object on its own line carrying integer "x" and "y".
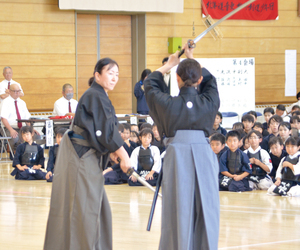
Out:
{"x": 145, "y": 73}
{"x": 103, "y": 62}
{"x": 189, "y": 70}
{"x": 146, "y": 131}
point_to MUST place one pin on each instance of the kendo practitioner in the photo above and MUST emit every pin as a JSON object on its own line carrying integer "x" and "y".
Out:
{"x": 80, "y": 216}
{"x": 190, "y": 203}
{"x": 145, "y": 159}
{"x": 288, "y": 172}
{"x": 29, "y": 158}
{"x": 53, "y": 153}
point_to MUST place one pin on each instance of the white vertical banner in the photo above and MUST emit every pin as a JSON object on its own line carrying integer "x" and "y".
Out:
{"x": 235, "y": 79}
{"x": 290, "y": 72}
{"x": 49, "y": 133}
{"x": 133, "y": 120}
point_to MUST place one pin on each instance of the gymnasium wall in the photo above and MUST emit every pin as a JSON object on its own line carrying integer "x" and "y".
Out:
{"x": 39, "y": 42}
{"x": 264, "y": 40}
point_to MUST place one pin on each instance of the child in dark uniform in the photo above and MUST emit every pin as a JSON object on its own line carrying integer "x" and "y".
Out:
{"x": 288, "y": 172}
{"x": 217, "y": 126}
{"x": 274, "y": 122}
{"x": 217, "y": 143}
{"x": 145, "y": 159}
{"x": 260, "y": 161}
{"x": 158, "y": 141}
{"x": 29, "y": 158}
{"x": 276, "y": 154}
{"x": 53, "y": 153}
{"x": 234, "y": 166}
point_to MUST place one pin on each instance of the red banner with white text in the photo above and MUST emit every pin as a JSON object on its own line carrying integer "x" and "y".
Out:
{"x": 258, "y": 10}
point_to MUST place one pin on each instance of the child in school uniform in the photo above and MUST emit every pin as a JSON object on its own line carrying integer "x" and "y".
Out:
{"x": 288, "y": 172}
{"x": 125, "y": 132}
{"x": 248, "y": 122}
{"x": 254, "y": 114}
{"x": 260, "y": 161}
{"x": 258, "y": 127}
{"x": 217, "y": 127}
{"x": 145, "y": 159}
{"x": 238, "y": 125}
{"x": 158, "y": 141}
{"x": 276, "y": 154}
{"x": 268, "y": 113}
{"x": 285, "y": 130}
{"x": 29, "y": 158}
{"x": 274, "y": 122}
{"x": 234, "y": 166}
{"x": 217, "y": 144}
{"x": 53, "y": 153}
{"x": 295, "y": 124}
{"x": 246, "y": 143}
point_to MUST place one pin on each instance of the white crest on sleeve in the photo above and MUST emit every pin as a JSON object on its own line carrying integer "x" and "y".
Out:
{"x": 189, "y": 104}
{"x": 98, "y": 133}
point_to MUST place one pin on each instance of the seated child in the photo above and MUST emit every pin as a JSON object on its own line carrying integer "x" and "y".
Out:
{"x": 217, "y": 144}
{"x": 258, "y": 127}
{"x": 29, "y": 158}
{"x": 145, "y": 159}
{"x": 248, "y": 122}
{"x": 158, "y": 142}
{"x": 280, "y": 110}
{"x": 124, "y": 130}
{"x": 284, "y": 131}
{"x": 53, "y": 153}
{"x": 242, "y": 136}
{"x": 274, "y": 122}
{"x": 218, "y": 121}
{"x": 134, "y": 137}
{"x": 288, "y": 172}
{"x": 246, "y": 143}
{"x": 234, "y": 166}
{"x": 295, "y": 123}
{"x": 134, "y": 127}
{"x": 254, "y": 114}
{"x": 268, "y": 113}
{"x": 260, "y": 161}
{"x": 276, "y": 154}
{"x": 238, "y": 125}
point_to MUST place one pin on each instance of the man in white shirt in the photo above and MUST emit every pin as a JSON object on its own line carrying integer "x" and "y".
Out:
{"x": 5, "y": 84}
{"x": 65, "y": 105}
{"x": 14, "y": 108}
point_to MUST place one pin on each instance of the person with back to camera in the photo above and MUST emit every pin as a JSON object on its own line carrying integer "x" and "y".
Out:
{"x": 190, "y": 213}
{"x": 142, "y": 107}
{"x": 80, "y": 215}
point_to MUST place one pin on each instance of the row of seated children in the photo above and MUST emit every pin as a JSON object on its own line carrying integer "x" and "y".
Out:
{"x": 29, "y": 157}
{"x": 144, "y": 149}
{"x": 254, "y": 168}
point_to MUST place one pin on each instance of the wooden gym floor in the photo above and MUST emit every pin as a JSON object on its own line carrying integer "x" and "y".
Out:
{"x": 251, "y": 220}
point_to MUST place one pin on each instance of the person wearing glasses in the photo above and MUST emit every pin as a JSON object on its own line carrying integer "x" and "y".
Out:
{"x": 14, "y": 108}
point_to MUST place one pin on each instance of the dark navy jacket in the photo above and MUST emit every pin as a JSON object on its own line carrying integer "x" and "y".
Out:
{"x": 20, "y": 151}
{"x": 142, "y": 107}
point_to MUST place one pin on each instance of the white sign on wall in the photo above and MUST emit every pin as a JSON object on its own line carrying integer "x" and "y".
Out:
{"x": 235, "y": 80}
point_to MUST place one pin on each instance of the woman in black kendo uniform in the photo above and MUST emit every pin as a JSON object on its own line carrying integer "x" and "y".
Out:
{"x": 190, "y": 203}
